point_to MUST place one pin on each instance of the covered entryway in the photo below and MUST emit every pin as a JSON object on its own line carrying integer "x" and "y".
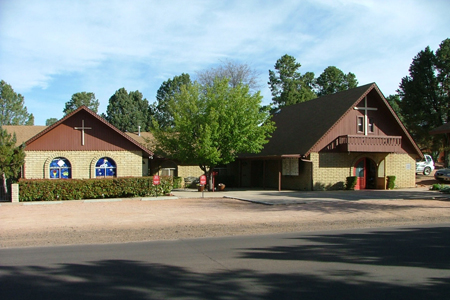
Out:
{"x": 365, "y": 170}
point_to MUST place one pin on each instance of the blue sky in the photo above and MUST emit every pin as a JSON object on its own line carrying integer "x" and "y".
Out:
{"x": 50, "y": 50}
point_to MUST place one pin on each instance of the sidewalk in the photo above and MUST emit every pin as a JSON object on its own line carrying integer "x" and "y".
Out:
{"x": 272, "y": 197}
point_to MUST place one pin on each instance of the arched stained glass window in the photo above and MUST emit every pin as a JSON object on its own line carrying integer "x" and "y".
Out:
{"x": 105, "y": 167}
{"x": 60, "y": 168}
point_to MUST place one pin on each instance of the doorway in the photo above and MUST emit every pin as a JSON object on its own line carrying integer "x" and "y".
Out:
{"x": 365, "y": 170}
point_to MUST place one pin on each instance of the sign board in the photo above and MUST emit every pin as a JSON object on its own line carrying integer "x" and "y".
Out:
{"x": 290, "y": 166}
{"x": 203, "y": 180}
{"x": 156, "y": 180}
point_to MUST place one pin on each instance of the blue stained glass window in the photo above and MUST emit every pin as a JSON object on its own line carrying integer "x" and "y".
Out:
{"x": 105, "y": 167}
{"x": 60, "y": 168}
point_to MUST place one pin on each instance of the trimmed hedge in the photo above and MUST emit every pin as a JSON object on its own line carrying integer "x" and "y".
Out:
{"x": 77, "y": 189}
{"x": 391, "y": 182}
{"x": 351, "y": 182}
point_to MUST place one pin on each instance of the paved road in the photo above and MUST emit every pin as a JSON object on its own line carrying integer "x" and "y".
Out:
{"x": 396, "y": 263}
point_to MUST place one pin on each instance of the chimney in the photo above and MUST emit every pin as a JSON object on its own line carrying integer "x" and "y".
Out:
{"x": 139, "y": 130}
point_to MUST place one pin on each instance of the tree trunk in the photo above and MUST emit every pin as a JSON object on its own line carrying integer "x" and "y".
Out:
{"x": 5, "y": 186}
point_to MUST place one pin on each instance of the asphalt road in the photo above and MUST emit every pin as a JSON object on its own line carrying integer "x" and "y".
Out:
{"x": 390, "y": 263}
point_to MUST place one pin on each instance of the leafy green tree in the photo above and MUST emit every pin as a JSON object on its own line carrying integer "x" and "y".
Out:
{"x": 50, "y": 121}
{"x": 11, "y": 157}
{"x": 424, "y": 96}
{"x": 128, "y": 111}
{"x": 394, "y": 101}
{"x": 236, "y": 73}
{"x": 80, "y": 99}
{"x": 288, "y": 85}
{"x": 213, "y": 124}
{"x": 333, "y": 80}
{"x": 166, "y": 92}
{"x": 12, "y": 109}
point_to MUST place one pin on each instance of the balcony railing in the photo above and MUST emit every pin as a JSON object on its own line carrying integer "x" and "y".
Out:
{"x": 364, "y": 143}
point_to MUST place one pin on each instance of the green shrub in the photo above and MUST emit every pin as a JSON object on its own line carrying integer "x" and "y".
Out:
{"x": 177, "y": 182}
{"x": 437, "y": 187}
{"x": 75, "y": 189}
{"x": 391, "y": 182}
{"x": 351, "y": 182}
{"x": 445, "y": 189}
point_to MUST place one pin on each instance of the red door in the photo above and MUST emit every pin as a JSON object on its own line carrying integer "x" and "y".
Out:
{"x": 360, "y": 171}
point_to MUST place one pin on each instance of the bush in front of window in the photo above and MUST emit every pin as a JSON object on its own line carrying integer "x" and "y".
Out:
{"x": 77, "y": 189}
{"x": 177, "y": 182}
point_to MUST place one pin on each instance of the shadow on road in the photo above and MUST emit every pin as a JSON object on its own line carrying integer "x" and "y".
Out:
{"x": 127, "y": 279}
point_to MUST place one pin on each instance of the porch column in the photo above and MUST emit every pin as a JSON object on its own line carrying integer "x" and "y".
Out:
{"x": 279, "y": 175}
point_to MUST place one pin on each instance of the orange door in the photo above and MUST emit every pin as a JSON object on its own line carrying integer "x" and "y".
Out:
{"x": 360, "y": 171}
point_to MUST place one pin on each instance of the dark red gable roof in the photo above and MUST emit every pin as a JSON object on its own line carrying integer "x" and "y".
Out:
{"x": 441, "y": 129}
{"x": 103, "y": 136}
{"x": 301, "y": 126}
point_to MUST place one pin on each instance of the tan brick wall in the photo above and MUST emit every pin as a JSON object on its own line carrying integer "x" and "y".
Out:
{"x": 189, "y": 171}
{"x": 129, "y": 163}
{"x": 403, "y": 167}
{"x": 331, "y": 169}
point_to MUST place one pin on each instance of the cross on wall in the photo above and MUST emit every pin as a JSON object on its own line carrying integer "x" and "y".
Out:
{"x": 365, "y": 109}
{"x": 82, "y": 128}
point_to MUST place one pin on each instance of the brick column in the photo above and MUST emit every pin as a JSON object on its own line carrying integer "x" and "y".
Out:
{"x": 15, "y": 192}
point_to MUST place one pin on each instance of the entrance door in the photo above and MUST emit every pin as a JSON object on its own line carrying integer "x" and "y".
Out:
{"x": 365, "y": 171}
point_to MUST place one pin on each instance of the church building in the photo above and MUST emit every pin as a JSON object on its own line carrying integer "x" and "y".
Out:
{"x": 81, "y": 145}
{"x": 317, "y": 144}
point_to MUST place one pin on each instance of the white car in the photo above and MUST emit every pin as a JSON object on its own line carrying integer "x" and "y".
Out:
{"x": 425, "y": 166}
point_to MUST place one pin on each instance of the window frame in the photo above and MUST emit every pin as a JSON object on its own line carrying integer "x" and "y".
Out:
{"x": 60, "y": 168}
{"x": 105, "y": 168}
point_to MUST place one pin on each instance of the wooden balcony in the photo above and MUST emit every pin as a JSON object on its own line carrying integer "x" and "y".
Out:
{"x": 367, "y": 143}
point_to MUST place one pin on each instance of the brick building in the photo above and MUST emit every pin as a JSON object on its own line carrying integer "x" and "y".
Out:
{"x": 83, "y": 145}
{"x": 319, "y": 143}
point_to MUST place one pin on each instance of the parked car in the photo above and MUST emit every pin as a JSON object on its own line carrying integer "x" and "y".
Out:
{"x": 442, "y": 175}
{"x": 425, "y": 165}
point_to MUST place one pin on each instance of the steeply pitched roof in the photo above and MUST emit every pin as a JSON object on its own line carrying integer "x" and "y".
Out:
{"x": 23, "y": 133}
{"x": 301, "y": 126}
{"x": 32, "y": 133}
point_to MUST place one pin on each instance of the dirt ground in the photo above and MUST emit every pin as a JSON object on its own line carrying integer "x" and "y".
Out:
{"x": 132, "y": 220}
{"x": 79, "y": 222}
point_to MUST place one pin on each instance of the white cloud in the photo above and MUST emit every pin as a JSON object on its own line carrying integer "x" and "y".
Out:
{"x": 104, "y": 45}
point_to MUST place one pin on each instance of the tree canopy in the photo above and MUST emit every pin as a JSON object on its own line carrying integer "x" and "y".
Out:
{"x": 166, "y": 92}
{"x": 288, "y": 85}
{"x": 128, "y": 111}
{"x": 236, "y": 73}
{"x": 333, "y": 80}
{"x": 11, "y": 157}
{"x": 13, "y": 111}
{"x": 50, "y": 121}
{"x": 80, "y": 99}
{"x": 213, "y": 124}
{"x": 424, "y": 96}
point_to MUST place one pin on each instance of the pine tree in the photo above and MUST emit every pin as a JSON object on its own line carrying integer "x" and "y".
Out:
{"x": 12, "y": 157}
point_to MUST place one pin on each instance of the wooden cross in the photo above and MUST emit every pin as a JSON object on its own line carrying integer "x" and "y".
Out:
{"x": 365, "y": 109}
{"x": 82, "y": 128}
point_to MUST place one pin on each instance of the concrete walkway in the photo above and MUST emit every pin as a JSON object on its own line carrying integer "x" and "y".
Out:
{"x": 271, "y": 197}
